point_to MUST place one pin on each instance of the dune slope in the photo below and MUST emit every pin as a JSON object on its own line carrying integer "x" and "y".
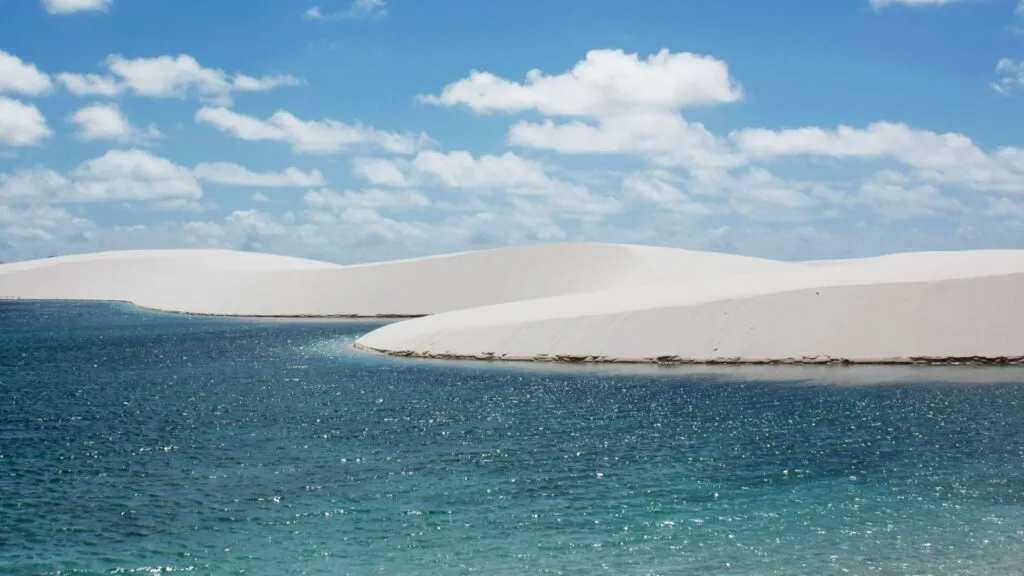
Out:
{"x": 221, "y": 282}
{"x": 927, "y": 307}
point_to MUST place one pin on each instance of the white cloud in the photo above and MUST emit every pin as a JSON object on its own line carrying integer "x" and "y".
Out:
{"x": 358, "y": 9}
{"x": 181, "y": 205}
{"x": 357, "y": 212}
{"x": 35, "y": 185}
{"x": 894, "y": 195}
{"x": 235, "y": 175}
{"x": 370, "y": 222}
{"x": 508, "y": 174}
{"x": 169, "y": 77}
{"x": 456, "y": 170}
{"x": 244, "y": 83}
{"x": 255, "y": 222}
{"x": 658, "y": 186}
{"x": 420, "y": 200}
{"x": 250, "y": 230}
{"x": 89, "y": 84}
{"x": 379, "y": 171}
{"x": 106, "y": 122}
{"x": 166, "y": 76}
{"x": 1005, "y": 208}
{"x": 664, "y": 137}
{"x": 197, "y": 229}
{"x": 1011, "y": 76}
{"x": 21, "y": 124}
{"x": 19, "y": 77}
{"x": 461, "y": 170}
{"x": 374, "y": 198}
{"x": 758, "y": 186}
{"x": 626, "y": 105}
{"x": 606, "y": 82}
{"x": 118, "y": 175}
{"x": 877, "y": 139}
{"x": 944, "y": 158}
{"x": 308, "y": 137}
{"x": 133, "y": 174}
{"x": 72, "y": 6}
{"x": 757, "y": 194}
{"x": 662, "y": 189}
{"x": 42, "y": 224}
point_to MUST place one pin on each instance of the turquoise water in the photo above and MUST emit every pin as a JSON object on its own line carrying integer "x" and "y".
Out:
{"x": 141, "y": 442}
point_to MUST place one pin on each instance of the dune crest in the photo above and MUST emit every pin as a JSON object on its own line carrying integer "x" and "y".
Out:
{"x": 232, "y": 283}
{"x": 591, "y": 302}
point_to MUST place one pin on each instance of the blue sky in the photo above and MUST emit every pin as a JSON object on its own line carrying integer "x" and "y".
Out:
{"x": 381, "y": 129}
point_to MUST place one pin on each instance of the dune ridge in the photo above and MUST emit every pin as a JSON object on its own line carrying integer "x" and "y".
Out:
{"x": 231, "y": 283}
{"x": 588, "y": 302}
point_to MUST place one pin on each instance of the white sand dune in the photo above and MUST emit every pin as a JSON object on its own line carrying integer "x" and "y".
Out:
{"x": 590, "y": 302}
{"x": 922, "y": 307}
{"x": 222, "y": 282}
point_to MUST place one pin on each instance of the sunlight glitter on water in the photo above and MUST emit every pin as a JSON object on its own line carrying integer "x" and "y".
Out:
{"x": 135, "y": 441}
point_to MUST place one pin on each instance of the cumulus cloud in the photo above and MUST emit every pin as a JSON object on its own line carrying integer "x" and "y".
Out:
{"x": 21, "y": 124}
{"x": 43, "y": 225}
{"x": 235, "y": 175}
{"x": 19, "y": 77}
{"x": 89, "y": 84}
{"x": 606, "y": 82}
{"x": 118, "y": 175}
{"x": 894, "y": 195}
{"x": 455, "y": 170}
{"x": 169, "y": 77}
{"x": 107, "y": 122}
{"x": 663, "y": 189}
{"x": 625, "y": 105}
{"x": 675, "y": 175}
{"x": 72, "y": 6}
{"x": 507, "y": 174}
{"x": 133, "y": 175}
{"x": 460, "y": 169}
{"x": 360, "y": 210}
{"x": 665, "y": 137}
{"x": 307, "y": 136}
{"x": 1010, "y": 76}
{"x": 374, "y": 198}
{"x": 940, "y": 157}
{"x": 379, "y": 171}
{"x": 620, "y": 104}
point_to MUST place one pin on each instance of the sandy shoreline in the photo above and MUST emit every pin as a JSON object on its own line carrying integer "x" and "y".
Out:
{"x": 680, "y": 361}
{"x": 216, "y": 315}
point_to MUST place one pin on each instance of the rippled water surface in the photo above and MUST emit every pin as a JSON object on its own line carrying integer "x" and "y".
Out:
{"x": 141, "y": 442}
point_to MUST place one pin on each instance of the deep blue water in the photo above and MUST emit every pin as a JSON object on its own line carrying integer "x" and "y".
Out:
{"x": 139, "y": 442}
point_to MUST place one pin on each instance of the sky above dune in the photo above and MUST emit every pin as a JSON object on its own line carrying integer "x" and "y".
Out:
{"x": 358, "y": 131}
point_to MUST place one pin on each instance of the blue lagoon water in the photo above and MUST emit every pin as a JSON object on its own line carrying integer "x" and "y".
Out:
{"x": 135, "y": 442}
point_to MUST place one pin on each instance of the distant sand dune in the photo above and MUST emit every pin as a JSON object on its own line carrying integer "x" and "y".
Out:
{"x": 591, "y": 302}
{"x": 229, "y": 283}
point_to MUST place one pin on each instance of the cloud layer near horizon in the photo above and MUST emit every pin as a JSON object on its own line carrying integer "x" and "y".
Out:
{"x": 608, "y": 149}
